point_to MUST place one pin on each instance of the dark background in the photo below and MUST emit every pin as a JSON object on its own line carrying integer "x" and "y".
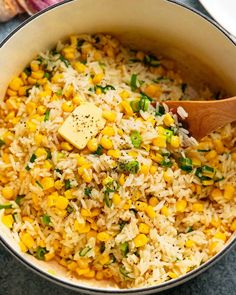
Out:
{"x": 16, "y": 279}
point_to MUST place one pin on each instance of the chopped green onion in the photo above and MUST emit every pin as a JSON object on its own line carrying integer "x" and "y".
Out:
{"x": 160, "y": 110}
{"x": 151, "y": 60}
{"x": 124, "y": 248}
{"x": 104, "y": 89}
{"x": 129, "y": 167}
{"x": 112, "y": 257}
{"x": 161, "y": 79}
{"x": 84, "y": 251}
{"x": 46, "y": 115}
{"x": 1, "y": 143}
{"x": 166, "y": 162}
{"x": 186, "y": 164}
{"x": 27, "y": 71}
{"x": 205, "y": 172}
{"x": 39, "y": 184}
{"x": 66, "y": 62}
{"x": 5, "y": 206}
{"x": 135, "y": 106}
{"x": 106, "y": 199}
{"x": 144, "y": 104}
{"x": 49, "y": 155}
{"x": 124, "y": 272}
{"x": 136, "y": 139}
{"x": 99, "y": 150}
{"x": 27, "y": 168}
{"x": 87, "y": 191}
{"x": 190, "y": 229}
{"x": 112, "y": 186}
{"x": 134, "y": 82}
{"x": 169, "y": 134}
{"x": 18, "y": 199}
{"x": 40, "y": 59}
{"x": 33, "y": 158}
{"x": 47, "y": 75}
{"x": 69, "y": 209}
{"x": 46, "y": 219}
{"x": 102, "y": 247}
{"x": 40, "y": 253}
{"x": 122, "y": 224}
{"x": 58, "y": 171}
{"x": 143, "y": 95}
{"x": 67, "y": 184}
{"x": 203, "y": 151}
{"x": 80, "y": 42}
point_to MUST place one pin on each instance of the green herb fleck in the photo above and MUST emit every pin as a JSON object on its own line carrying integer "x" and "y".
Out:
{"x": 40, "y": 253}
{"x": 102, "y": 247}
{"x": 129, "y": 167}
{"x": 189, "y": 229}
{"x": 99, "y": 150}
{"x": 39, "y": 184}
{"x": 84, "y": 251}
{"x": 2, "y": 143}
{"x": 33, "y": 158}
{"x": 18, "y": 199}
{"x": 5, "y": 206}
{"x": 46, "y": 115}
{"x": 122, "y": 224}
{"x": 124, "y": 248}
{"x": 67, "y": 184}
{"x": 106, "y": 199}
{"x": 49, "y": 155}
{"x": 160, "y": 110}
{"x": 87, "y": 191}
{"x": 151, "y": 60}
{"x": 46, "y": 219}
{"x": 69, "y": 209}
{"x": 136, "y": 139}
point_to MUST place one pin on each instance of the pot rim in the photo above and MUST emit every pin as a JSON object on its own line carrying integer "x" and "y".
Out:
{"x": 156, "y": 288}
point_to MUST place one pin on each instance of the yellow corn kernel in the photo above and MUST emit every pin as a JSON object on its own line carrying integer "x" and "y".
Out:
{"x": 220, "y": 236}
{"x": 143, "y": 228}
{"x": 108, "y": 130}
{"x": 233, "y": 225}
{"x": 127, "y": 204}
{"x": 114, "y": 153}
{"x": 83, "y": 263}
{"x": 175, "y": 141}
{"x": 22, "y": 90}
{"x": 27, "y": 239}
{"x": 216, "y": 194}
{"x": 82, "y": 169}
{"x": 167, "y": 176}
{"x": 153, "y": 201}
{"x": 90, "y": 274}
{"x": 153, "y": 169}
{"x": 99, "y": 275}
{"x": 92, "y": 145}
{"x": 38, "y": 139}
{"x": 116, "y": 199}
{"x": 141, "y": 206}
{"x": 8, "y": 193}
{"x": 41, "y": 152}
{"x": 211, "y": 155}
{"x": 15, "y": 84}
{"x": 144, "y": 169}
{"x": 107, "y": 180}
{"x": 160, "y": 141}
{"x": 61, "y": 202}
{"x": 229, "y": 191}
{"x": 32, "y": 81}
{"x": 49, "y": 256}
{"x": 59, "y": 185}
{"x": 91, "y": 234}
{"x": 66, "y": 146}
{"x": 85, "y": 212}
{"x": 165, "y": 211}
{"x": 219, "y": 146}
{"x": 67, "y": 107}
{"x": 103, "y": 236}
{"x": 31, "y": 126}
{"x": 8, "y": 220}
{"x": 109, "y": 116}
{"x": 122, "y": 179}
{"x": 26, "y": 218}
{"x": 133, "y": 154}
{"x": 97, "y": 78}
{"x": 51, "y": 200}
{"x": 47, "y": 165}
{"x": 140, "y": 240}
{"x": 215, "y": 222}
{"x": 161, "y": 130}
{"x": 168, "y": 120}
{"x": 189, "y": 243}
{"x": 34, "y": 65}
{"x": 82, "y": 228}
{"x": 104, "y": 259}
{"x": 47, "y": 183}
{"x": 11, "y": 92}
{"x": 172, "y": 275}
{"x": 41, "y": 109}
{"x": 127, "y": 108}
{"x": 82, "y": 272}
{"x": 150, "y": 212}
{"x": 22, "y": 246}
{"x": 87, "y": 177}
{"x": 233, "y": 155}
{"x": 106, "y": 143}
{"x": 181, "y": 205}
{"x": 72, "y": 266}
{"x": 198, "y": 189}
{"x": 98, "y": 91}
{"x": 212, "y": 246}
{"x": 79, "y": 67}
{"x": 153, "y": 90}
{"x": 35, "y": 200}
{"x": 37, "y": 75}
{"x": 196, "y": 162}
{"x": 95, "y": 212}
{"x": 81, "y": 161}
{"x": 124, "y": 94}
{"x": 197, "y": 207}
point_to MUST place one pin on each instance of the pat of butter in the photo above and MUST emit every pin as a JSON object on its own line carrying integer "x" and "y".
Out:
{"x": 84, "y": 123}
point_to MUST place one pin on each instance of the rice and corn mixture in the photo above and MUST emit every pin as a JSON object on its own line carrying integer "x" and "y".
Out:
{"x": 134, "y": 206}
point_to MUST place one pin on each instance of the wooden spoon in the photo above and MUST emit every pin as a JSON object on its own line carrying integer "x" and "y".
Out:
{"x": 206, "y": 116}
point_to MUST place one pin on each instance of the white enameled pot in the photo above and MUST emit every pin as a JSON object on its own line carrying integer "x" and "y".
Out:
{"x": 204, "y": 53}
